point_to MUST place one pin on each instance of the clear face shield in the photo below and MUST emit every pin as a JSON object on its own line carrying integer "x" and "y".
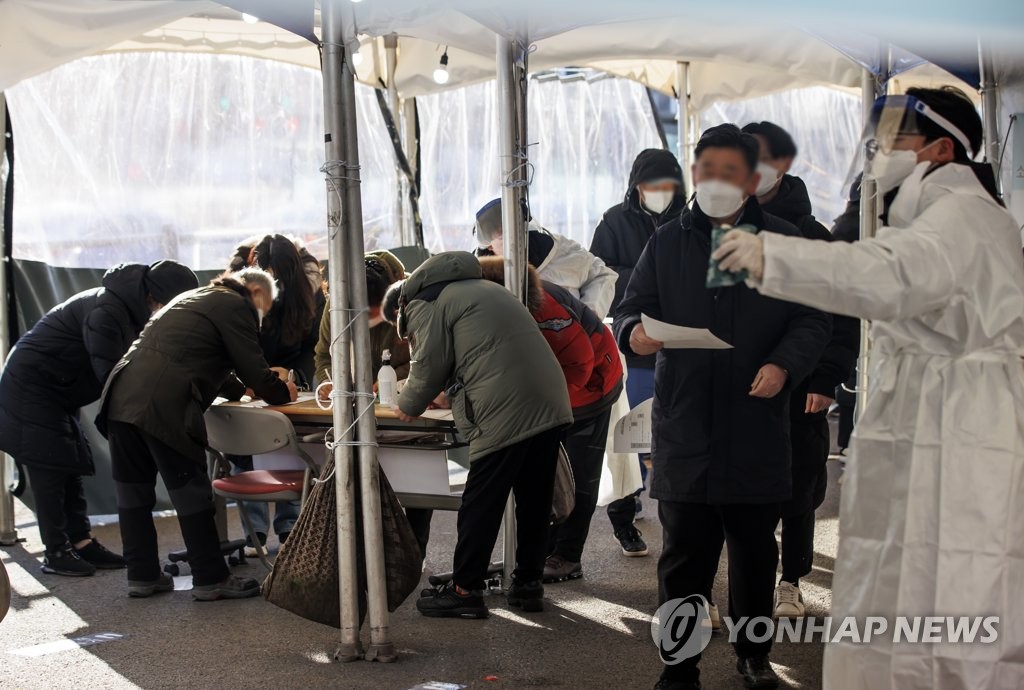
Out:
{"x": 897, "y": 130}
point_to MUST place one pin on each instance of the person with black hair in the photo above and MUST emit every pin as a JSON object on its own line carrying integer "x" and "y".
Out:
{"x": 931, "y": 518}
{"x": 288, "y": 338}
{"x": 785, "y": 196}
{"x": 655, "y": 194}
{"x": 55, "y": 369}
{"x": 720, "y": 431}
{"x": 203, "y": 345}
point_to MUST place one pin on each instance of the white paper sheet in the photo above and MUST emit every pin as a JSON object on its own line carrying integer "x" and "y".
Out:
{"x": 682, "y": 337}
{"x": 304, "y": 396}
{"x": 633, "y": 431}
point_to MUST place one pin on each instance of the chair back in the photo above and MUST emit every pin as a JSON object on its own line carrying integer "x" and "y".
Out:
{"x": 236, "y": 430}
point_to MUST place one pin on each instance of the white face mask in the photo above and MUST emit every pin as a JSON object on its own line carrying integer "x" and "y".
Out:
{"x": 888, "y": 170}
{"x": 719, "y": 199}
{"x": 656, "y": 201}
{"x": 769, "y": 178}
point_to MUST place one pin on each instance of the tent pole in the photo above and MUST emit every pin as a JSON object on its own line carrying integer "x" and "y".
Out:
{"x": 8, "y": 534}
{"x": 990, "y": 111}
{"x": 339, "y": 280}
{"x": 683, "y": 122}
{"x": 380, "y": 648}
{"x": 411, "y": 143}
{"x": 872, "y": 87}
{"x": 391, "y": 58}
{"x": 511, "y": 92}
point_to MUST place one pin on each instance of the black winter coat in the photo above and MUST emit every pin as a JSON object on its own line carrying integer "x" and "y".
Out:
{"x": 60, "y": 365}
{"x": 793, "y": 204}
{"x": 713, "y": 442}
{"x": 184, "y": 358}
{"x": 298, "y": 356}
{"x": 623, "y": 232}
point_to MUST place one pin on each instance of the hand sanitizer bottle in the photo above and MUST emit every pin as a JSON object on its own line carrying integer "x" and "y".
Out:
{"x": 387, "y": 382}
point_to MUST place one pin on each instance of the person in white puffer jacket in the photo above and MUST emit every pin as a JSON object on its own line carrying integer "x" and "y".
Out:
{"x": 557, "y": 259}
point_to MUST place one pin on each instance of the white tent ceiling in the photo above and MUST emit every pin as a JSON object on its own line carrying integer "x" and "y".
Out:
{"x": 728, "y": 61}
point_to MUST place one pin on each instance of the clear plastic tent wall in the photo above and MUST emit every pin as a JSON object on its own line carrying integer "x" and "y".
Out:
{"x": 584, "y": 135}
{"x": 141, "y": 156}
{"x": 826, "y": 125}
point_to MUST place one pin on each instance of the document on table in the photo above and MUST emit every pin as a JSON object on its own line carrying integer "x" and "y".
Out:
{"x": 682, "y": 337}
{"x": 304, "y": 396}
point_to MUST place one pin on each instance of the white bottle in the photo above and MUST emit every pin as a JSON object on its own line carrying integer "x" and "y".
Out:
{"x": 387, "y": 382}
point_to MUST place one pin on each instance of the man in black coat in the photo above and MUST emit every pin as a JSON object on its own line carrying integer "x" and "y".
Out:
{"x": 720, "y": 425}
{"x": 56, "y": 368}
{"x": 204, "y": 345}
{"x": 810, "y": 399}
{"x": 655, "y": 195}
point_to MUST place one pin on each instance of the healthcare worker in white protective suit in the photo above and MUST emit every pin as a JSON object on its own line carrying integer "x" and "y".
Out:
{"x": 932, "y": 512}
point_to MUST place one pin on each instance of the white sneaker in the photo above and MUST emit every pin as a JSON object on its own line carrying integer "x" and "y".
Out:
{"x": 716, "y": 620}
{"x": 789, "y": 602}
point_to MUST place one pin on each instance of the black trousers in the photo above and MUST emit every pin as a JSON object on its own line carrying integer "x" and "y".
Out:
{"x": 419, "y": 520}
{"x": 847, "y": 408}
{"x": 584, "y": 443}
{"x": 61, "y": 509}
{"x": 527, "y": 469}
{"x": 692, "y": 543}
{"x": 810, "y": 439}
{"x": 137, "y": 458}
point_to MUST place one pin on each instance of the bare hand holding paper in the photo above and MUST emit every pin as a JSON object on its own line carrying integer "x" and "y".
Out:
{"x": 682, "y": 337}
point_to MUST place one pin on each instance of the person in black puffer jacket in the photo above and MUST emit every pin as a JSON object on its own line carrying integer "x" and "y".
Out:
{"x": 785, "y": 196}
{"x": 655, "y": 195}
{"x": 56, "y": 368}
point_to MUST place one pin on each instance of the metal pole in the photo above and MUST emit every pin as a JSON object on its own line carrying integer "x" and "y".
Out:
{"x": 402, "y": 191}
{"x": 872, "y": 87}
{"x": 8, "y": 534}
{"x": 340, "y": 280}
{"x": 412, "y": 145}
{"x": 683, "y": 122}
{"x": 990, "y": 111}
{"x": 380, "y": 648}
{"x": 511, "y": 91}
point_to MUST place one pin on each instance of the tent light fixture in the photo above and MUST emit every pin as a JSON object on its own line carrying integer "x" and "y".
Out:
{"x": 441, "y": 75}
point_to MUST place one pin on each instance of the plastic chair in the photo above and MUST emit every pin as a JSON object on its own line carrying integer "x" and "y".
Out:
{"x": 234, "y": 430}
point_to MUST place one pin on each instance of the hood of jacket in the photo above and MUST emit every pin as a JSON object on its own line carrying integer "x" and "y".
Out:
{"x": 791, "y": 201}
{"x": 127, "y": 283}
{"x": 492, "y": 268}
{"x": 650, "y": 165}
{"x": 445, "y": 267}
{"x": 926, "y": 185}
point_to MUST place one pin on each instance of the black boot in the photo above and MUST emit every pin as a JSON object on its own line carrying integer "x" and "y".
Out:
{"x": 449, "y": 602}
{"x": 526, "y": 595}
{"x": 757, "y": 673}
{"x": 669, "y": 684}
{"x": 66, "y": 561}
{"x": 100, "y": 556}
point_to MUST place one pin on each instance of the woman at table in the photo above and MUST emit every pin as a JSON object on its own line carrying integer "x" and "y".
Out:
{"x": 203, "y": 345}
{"x": 288, "y": 336}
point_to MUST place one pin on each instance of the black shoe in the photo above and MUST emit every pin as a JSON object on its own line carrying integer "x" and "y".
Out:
{"x": 669, "y": 684}
{"x": 140, "y": 589}
{"x": 557, "y": 569}
{"x": 231, "y": 587}
{"x": 66, "y": 561}
{"x": 631, "y": 541}
{"x": 250, "y": 548}
{"x": 100, "y": 556}
{"x": 757, "y": 673}
{"x": 283, "y": 537}
{"x": 528, "y": 596}
{"x": 447, "y": 602}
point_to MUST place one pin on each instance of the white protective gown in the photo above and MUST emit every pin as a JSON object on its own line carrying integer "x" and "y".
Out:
{"x": 932, "y": 510}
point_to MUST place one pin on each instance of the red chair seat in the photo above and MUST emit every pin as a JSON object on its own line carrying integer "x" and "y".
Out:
{"x": 266, "y": 485}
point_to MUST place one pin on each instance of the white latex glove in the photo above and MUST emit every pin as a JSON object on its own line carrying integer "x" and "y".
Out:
{"x": 741, "y": 250}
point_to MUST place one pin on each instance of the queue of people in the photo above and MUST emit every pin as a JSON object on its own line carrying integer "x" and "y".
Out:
{"x": 740, "y": 436}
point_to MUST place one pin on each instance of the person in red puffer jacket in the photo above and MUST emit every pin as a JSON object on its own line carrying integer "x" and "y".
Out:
{"x": 586, "y": 350}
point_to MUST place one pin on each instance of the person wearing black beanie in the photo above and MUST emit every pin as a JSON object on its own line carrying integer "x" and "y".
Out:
{"x": 56, "y": 368}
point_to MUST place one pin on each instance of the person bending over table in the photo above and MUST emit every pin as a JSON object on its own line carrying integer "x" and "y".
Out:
{"x": 473, "y": 339}
{"x": 152, "y": 414}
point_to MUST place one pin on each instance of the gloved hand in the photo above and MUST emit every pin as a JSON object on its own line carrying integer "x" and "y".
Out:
{"x": 741, "y": 250}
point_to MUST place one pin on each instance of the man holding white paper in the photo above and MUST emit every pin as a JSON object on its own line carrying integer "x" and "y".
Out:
{"x": 721, "y": 450}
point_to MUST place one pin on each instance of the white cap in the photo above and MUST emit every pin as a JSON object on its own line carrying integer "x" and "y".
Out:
{"x": 386, "y": 354}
